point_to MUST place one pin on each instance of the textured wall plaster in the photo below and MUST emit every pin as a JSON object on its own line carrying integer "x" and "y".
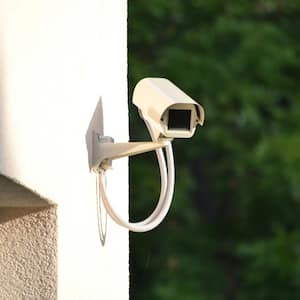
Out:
{"x": 28, "y": 261}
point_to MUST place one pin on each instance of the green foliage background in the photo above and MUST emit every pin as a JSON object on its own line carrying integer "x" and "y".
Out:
{"x": 234, "y": 229}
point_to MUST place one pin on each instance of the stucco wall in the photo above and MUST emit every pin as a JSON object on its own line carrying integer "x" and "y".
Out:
{"x": 57, "y": 58}
{"x": 28, "y": 253}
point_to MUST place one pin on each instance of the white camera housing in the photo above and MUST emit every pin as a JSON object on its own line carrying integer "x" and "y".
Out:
{"x": 168, "y": 113}
{"x": 168, "y": 110}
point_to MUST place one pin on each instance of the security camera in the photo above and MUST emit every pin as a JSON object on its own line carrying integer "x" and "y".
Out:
{"x": 168, "y": 110}
{"x": 168, "y": 113}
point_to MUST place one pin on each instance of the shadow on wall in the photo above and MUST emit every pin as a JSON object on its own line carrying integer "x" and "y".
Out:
{"x": 17, "y": 201}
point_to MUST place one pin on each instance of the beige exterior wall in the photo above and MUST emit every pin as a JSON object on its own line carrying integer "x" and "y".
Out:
{"x": 57, "y": 58}
{"x": 28, "y": 253}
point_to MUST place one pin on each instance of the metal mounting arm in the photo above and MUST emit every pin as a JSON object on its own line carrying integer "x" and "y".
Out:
{"x": 105, "y": 150}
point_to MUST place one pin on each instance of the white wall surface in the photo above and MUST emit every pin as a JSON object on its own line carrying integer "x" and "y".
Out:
{"x": 57, "y": 58}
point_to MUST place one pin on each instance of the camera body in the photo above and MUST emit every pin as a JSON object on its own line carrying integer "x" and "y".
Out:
{"x": 168, "y": 110}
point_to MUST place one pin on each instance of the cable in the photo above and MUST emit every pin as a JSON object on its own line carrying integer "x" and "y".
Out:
{"x": 164, "y": 202}
{"x": 157, "y": 219}
{"x": 163, "y": 184}
{"x": 163, "y": 178}
{"x": 101, "y": 229}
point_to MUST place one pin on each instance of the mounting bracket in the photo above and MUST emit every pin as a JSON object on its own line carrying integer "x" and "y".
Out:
{"x": 105, "y": 150}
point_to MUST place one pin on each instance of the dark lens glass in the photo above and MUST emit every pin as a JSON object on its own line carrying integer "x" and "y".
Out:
{"x": 179, "y": 119}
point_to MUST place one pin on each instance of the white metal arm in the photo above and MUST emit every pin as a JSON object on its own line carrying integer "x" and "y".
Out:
{"x": 105, "y": 150}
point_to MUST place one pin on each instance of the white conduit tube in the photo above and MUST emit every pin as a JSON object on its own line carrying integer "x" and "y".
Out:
{"x": 163, "y": 178}
{"x": 164, "y": 203}
{"x": 164, "y": 185}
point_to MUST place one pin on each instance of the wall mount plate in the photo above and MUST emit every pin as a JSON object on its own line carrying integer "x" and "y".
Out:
{"x": 95, "y": 126}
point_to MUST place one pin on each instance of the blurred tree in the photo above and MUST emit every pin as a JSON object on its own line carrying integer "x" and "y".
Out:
{"x": 233, "y": 231}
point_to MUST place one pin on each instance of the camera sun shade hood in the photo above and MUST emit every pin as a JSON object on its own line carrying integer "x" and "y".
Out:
{"x": 155, "y": 97}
